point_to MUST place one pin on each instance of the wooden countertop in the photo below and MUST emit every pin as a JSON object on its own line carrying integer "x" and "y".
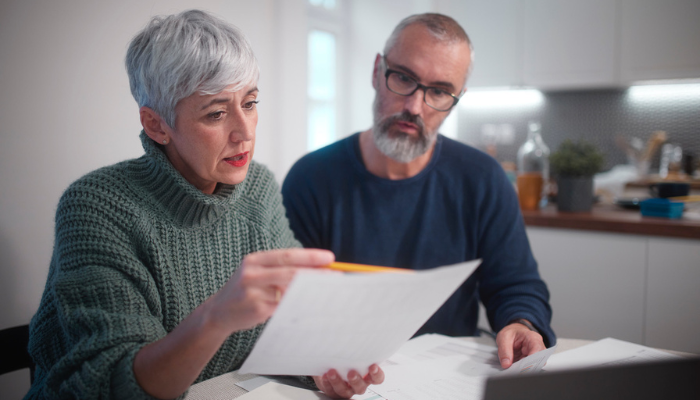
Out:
{"x": 611, "y": 218}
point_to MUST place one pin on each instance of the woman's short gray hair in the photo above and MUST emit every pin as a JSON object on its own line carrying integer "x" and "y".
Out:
{"x": 175, "y": 56}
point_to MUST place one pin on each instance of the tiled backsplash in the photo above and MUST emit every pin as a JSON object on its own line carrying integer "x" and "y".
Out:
{"x": 595, "y": 116}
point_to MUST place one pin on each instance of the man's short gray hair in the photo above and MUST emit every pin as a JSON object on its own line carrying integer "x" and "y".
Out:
{"x": 176, "y": 56}
{"x": 442, "y": 27}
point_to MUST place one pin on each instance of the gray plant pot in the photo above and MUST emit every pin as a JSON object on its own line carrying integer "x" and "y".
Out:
{"x": 574, "y": 194}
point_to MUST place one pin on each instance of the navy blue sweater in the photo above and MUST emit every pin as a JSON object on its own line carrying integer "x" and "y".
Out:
{"x": 460, "y": 207}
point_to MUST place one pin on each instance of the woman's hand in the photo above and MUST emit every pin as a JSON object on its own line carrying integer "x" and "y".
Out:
{"x": 252, "y": 294}
{"x": 332, "y": 384}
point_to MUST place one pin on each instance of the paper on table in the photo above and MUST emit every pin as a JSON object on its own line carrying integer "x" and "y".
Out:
{"x": 278, "y": 391}
{"x": 349, "y": 321}
{"x": 454, "y": 370}
{"x": 606, "y": 351}
{"x": 254, "y": 383}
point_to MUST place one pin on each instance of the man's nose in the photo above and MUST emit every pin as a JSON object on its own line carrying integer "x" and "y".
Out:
{"x": 414, "y": 103}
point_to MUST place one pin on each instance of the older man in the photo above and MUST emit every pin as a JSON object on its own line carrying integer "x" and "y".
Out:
{"x": 402, "y": 195}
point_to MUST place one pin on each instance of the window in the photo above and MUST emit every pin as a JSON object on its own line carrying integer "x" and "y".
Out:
{"x": 327, "y": 4}
{"x": 321, "y": 89}
{"x": 324, "y": 96}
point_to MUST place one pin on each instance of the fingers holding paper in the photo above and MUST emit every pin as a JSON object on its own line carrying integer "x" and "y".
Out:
{"x": 252, "y": 294}
{"x": 332, "y": 384}
{"x": 515, "y": 342}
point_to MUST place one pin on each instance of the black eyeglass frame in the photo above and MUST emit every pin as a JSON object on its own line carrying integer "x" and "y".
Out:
{"x": 389, "y": 71}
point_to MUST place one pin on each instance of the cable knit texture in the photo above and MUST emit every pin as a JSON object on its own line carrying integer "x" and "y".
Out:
{"x": 137, "y": 249}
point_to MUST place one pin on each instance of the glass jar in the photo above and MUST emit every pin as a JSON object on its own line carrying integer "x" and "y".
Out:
{"x": 533, "y": 170}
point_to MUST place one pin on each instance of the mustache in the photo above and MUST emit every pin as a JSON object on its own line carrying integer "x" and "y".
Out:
{"x": 404, "y": 116}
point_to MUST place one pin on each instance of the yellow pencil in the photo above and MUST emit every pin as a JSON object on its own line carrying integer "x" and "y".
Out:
{"x": 349, "y": 267}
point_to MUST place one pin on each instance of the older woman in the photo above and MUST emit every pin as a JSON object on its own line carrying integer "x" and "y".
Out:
{"x": 165, "y": 266}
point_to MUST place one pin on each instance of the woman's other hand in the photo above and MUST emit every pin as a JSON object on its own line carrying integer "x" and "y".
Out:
{"x": 332, "y": 384}
{"x": 252, "y": 294}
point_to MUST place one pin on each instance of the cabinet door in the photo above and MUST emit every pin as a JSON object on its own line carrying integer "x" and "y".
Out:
{"x": 495, "y": 29}
{"x": 673, "y": 295}
{"x": 569, "y": 44}
{"x": 659, "y": 39}
{"x": 596, "y": 282}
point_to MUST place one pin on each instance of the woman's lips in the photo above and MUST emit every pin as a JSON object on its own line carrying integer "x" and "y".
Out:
{"x": 238, "y": 160}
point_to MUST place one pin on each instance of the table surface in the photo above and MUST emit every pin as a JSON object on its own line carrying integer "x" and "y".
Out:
{"x": 224, "y": 386}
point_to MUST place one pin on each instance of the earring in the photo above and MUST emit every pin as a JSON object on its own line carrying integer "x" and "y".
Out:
{"x": 165, "y": 141}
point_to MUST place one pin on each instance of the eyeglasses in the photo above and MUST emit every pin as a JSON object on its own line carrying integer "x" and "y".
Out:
{"x": 405, "y": 85}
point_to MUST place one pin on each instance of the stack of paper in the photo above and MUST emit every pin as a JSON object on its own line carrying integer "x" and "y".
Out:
{"x": 440, "y": 367}
{"x": 427, "y": 367}
{"x": 606, "y": 351}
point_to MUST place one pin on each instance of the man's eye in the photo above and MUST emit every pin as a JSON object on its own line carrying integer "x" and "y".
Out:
{"x": 438, "y": 92}
{"x": 250, "y": 105}
{"x": 404, "y": 78}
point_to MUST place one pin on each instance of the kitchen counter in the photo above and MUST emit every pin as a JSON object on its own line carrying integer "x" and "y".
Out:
{"x": 611, "y": 218}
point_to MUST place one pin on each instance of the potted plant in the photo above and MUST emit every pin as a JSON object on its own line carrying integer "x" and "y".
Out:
{"x": 573, "y": 165}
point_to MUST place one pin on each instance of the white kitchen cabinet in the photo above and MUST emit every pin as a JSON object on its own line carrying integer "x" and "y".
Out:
{"x": 673, "y": 295}
{"x": 643, "y": 289}
{"x": 596, "y": 282}
{"x": 569, "y": 44}
{"x": 659, "y": 39}
{"x": 495, "y": 29}
{"x": 573, "y": 44}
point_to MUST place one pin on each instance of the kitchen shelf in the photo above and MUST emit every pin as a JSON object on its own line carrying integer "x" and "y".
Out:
{"x": 610, "y": 218}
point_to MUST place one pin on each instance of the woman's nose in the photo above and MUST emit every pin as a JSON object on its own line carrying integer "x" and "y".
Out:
{"x": 242, "y": 127}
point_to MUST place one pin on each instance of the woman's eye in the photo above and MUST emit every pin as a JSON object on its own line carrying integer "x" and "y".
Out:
{"x": 250, "y": 105}
{"x": 217, "y": 115}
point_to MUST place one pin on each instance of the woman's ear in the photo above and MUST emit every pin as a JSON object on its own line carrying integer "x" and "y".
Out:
{"x": 154, "y": 126}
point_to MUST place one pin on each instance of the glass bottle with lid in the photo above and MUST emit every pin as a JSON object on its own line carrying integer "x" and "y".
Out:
{"x": 533, "y": 169}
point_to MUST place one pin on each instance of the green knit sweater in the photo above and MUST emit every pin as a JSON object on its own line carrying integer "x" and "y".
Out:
{"x": 137, "y": 249}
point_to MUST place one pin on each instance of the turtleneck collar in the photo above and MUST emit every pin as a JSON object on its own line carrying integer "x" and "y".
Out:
{"x": 180, "y": 200}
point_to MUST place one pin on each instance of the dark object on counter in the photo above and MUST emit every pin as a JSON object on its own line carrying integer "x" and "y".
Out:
{"x": 629, "y": 203}
{"x": 663, "y": 208}
{"x": 574, "y": 194}
{"x": 688, "y": 164}
{"x": 669, "y": 189}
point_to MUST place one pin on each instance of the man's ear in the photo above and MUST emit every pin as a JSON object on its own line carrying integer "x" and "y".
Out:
{"x": 154, "y": 126}
{"x": 376, "y": 71}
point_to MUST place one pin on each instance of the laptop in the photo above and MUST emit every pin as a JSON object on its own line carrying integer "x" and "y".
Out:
{"x": 670, "y": 379}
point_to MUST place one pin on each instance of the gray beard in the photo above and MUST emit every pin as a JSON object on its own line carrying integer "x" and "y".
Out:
{"x": 397, "y": 145}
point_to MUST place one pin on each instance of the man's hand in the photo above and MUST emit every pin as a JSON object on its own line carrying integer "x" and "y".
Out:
{"x": 516, "y": 341}
{"x": 332, "y": 384}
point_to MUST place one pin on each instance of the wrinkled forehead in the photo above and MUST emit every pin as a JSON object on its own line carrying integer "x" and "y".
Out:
{"x": 430, "y": 57}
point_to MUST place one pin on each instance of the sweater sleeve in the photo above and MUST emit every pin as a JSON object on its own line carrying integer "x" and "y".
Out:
{"x": 510, "y": 285}
{"x": 299, "y": 192}
{"x": 100, "y": 306}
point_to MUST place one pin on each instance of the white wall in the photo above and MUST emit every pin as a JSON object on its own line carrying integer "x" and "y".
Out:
{"x": 370, "y": 24}
{"x": 66, "y": 109}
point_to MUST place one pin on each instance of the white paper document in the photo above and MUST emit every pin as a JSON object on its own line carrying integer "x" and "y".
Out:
{"x": 606, "y": 351}
{"x": 279, "y": 391}
{"x": 452, "y": 369}
{"x": 349, "y": 321}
